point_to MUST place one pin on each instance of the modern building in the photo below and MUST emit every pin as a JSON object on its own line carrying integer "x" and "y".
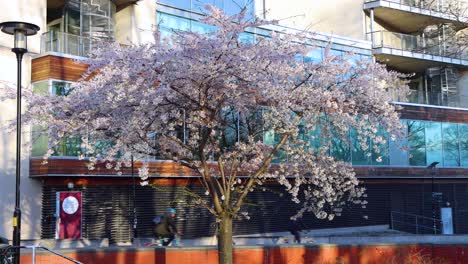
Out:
{"x": 410, "y": 36}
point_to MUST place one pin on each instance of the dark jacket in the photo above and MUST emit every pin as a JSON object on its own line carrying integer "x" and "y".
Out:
{"x": 166, "y": 226}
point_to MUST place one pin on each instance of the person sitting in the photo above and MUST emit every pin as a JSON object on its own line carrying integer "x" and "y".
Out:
{"x": 166, "y": 229}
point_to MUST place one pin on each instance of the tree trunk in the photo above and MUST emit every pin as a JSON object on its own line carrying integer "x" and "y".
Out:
{"x": 225, "y": 239}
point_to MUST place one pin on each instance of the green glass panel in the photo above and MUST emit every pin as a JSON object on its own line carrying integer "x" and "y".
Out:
{"x": 463, "y": 136}
{"x": 41, "y": 87}
{"x": 359, "y": 156}
{"x": 451, "y": 145}
{"x": 433, "y": 142}
{"x": 416, "y": 143}
{"x": 40, "y": 141}
{"x": 382, "y": 157}
{"x": 61, "y": 88}
{"x": 340, "y": 148}
{"x": 68, "y": 146}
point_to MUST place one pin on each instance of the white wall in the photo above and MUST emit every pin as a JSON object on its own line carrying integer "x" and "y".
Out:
{"x": 338, "y": 17}
{"x": 32, "y": 11}
{"x": 134, "y": 24}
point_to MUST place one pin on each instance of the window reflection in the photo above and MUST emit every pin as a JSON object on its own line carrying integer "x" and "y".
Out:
{"x": 230, "y": 7}
{"x": 433, "y": 142}
{"x": 451, "y": 147}
{"x": 463, "y": 135}
{"x": 416, "y": 143}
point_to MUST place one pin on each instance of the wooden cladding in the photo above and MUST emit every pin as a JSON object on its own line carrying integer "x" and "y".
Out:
{"x": 74, "y": 168}
{"x": 53, "y": 67}
{"x": 429, "y": 113}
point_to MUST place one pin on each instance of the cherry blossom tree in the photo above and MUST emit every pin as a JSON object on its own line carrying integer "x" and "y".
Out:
{"x": 210, "y": 102}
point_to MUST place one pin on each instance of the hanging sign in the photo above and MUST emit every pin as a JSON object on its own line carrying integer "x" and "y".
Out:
{"x": 69, "y": 225}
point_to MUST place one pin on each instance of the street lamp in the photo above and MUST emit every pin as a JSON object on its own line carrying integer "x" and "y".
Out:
{"x": 432, "y": 166}
{"x": 20, "y": 30}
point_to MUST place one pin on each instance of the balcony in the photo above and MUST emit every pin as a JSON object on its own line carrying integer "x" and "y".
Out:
{"x": 444, "y": 99}
{"x": 409, "y": 53}
{"x": 65, "y": 43}
{"x": 409, "y": 16}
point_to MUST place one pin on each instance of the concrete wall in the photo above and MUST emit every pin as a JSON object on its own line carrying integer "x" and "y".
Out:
{"x": 32, "y": 11}
{"x": 135, "y": 23}
{"x": 339, "y": 17}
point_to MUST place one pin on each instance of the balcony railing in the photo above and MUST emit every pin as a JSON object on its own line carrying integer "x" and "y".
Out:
{"x": 66, "y": 43}
{"x": 435, "y": 98}
{"x": 452, "y": 7}
{"x": 405, "y": 42}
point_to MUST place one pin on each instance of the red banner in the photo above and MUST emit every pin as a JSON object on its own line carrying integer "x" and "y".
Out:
{"x": 70, "y": 215}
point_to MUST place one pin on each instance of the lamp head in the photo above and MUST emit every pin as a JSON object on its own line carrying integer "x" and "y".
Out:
{"x": 433, "y": 165}
{"x": 20, "y": 30}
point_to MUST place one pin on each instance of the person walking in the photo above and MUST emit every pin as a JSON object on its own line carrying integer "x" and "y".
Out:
{"x": 295, "y": 227}
{"x": 165, "y": 227}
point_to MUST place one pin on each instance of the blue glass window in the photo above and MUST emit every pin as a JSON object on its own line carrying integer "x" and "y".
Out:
{"x": 314, "y": 55}
{"x": 416, "y": 143}
{"x": 170, "y": 22}
{"x": 433, "y": 142}
{"x": 451, "y": 145}
{"x": 463, "y": 135}
{"x": 183, "y": 4}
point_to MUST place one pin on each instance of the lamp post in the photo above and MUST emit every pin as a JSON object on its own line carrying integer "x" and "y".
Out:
{"x": 432, "y": 166}
{"x": 20, "y": 31}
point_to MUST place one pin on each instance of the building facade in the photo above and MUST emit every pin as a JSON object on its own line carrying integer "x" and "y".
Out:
{"x": 410, "y": 36}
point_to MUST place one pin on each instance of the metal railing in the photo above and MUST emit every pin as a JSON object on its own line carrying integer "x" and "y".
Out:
{"x": 405, "y": 42}
{"x": 46, "y": 256}
{"x": 65, "y": 43}
{"x": 440, "y": 6}
{"x": 434, "y": 98}
{"x": 416, "y": 224}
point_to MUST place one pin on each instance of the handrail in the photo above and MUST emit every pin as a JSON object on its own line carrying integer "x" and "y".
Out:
{"x": 415, "y": 215}
{"x": 11, "y": 249}
{"x": 417, "y": 224}
{"x": 412, "y": 43}
{"x": 440, "y": 98}
{"x": 66, "y": 43}
{"x": 53, "y": 252}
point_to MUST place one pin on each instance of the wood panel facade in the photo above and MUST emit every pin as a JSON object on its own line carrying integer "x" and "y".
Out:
{"x": 54, "y": 67}
{"x": 429, "y": 113}
{"x": 79, "y": 168}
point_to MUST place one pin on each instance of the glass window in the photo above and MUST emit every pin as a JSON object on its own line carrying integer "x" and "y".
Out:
{"x": 463, "y": 136}
{"x": 183, "y": 4}
{"x": 314, "y": 55}
{"x": 229, "y": 138}
{"x": 433, "y": 142}
{"x": 335, "y": 52}
{"x": 68, "y": 146}
{"x": 246, "y": 37}
{"x": 61, "y": 87}
{"x": 41, "y": 87}
{"x": 251, "y": 125}
{"x": 397, "y": 149}
{"x": 359, "y": 156}
{"x": 416, "y": 143}
{"x": 170, "y": 22}
{"x": 382, "y": 157}
{"x": 201, "y": 28}
{"x": 451, "y": 145}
